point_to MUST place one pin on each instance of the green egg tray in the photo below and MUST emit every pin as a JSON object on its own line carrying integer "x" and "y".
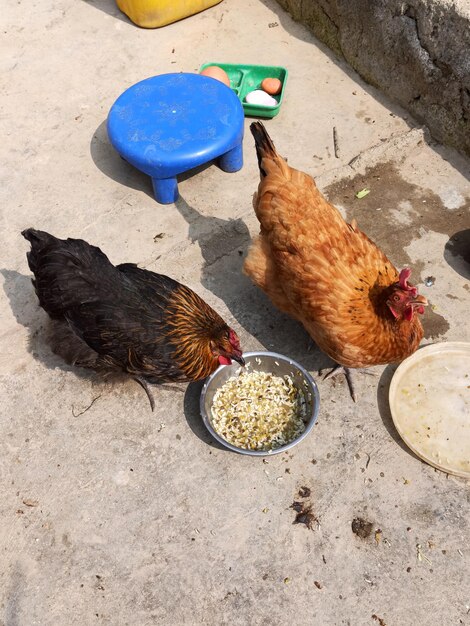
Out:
{"x": 246, "y": 78}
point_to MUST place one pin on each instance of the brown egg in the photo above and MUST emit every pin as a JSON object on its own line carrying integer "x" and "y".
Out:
{"x": 272, "y": 86}
{"x": 216, "y": 72}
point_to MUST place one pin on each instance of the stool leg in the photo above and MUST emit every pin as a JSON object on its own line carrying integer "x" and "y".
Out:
{"x": 232, "y": 161}
{"x": 165, "y": 190}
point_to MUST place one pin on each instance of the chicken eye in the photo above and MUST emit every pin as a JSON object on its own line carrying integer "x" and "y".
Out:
{"x": 396, "y": 298}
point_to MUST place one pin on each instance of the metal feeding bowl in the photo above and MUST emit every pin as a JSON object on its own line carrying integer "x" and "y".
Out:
{"x": 269, "y": 362}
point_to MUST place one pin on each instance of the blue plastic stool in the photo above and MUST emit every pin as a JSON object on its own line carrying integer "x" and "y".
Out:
{"x": 169, "y": 124}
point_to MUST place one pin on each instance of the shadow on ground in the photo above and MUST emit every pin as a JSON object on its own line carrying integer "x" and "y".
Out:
{"x": 457, "y": 252}
{"x": 193, "y": 415}
{"x": 114, "y": 166}
{"x": 110, "y": 8}
{"x": 25, "y": 307}
{"x": 223, "y": 244}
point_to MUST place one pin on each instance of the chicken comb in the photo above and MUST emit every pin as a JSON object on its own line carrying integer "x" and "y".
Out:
{"x": 403, "y": 282}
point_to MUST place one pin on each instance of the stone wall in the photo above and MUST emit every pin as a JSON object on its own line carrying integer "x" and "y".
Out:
{"x": 417, "y": 52}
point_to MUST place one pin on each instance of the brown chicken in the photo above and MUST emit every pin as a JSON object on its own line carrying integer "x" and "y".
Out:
{"x": 327, "y": 273}
{"x": 126, "y": 319}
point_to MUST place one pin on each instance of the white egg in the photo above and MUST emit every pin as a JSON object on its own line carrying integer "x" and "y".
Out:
{"x": 260, "y": 97}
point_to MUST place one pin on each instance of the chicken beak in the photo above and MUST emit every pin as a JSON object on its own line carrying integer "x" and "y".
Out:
{"x": 420, "y": 301}
{"x": 238, "y": 358}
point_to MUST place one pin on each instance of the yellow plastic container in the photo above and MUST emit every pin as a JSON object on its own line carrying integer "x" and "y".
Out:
{"x": 156, "y": 13}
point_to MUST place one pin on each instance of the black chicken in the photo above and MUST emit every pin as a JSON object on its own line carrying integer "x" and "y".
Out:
{"x": 126, "y": 319}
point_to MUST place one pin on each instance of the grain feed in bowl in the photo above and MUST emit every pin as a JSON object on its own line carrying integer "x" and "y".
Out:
{"x": 259, "y": 411}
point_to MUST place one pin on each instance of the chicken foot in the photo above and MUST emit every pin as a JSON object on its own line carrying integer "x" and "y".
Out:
{"x": 346, "y": 371}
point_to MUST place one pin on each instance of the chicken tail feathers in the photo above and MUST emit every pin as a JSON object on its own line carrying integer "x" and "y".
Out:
{"x": 67, "y": 273}
{"x": 39, "y": 241}
{"x": 264, "y": 144}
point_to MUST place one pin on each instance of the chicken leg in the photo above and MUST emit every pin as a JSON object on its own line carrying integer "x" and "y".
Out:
{"x": 347, "y": 372}
{"x": 143, "y": 383}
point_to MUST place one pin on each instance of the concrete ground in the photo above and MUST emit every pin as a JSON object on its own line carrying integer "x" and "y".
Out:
{"x": 113, "y": 515}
